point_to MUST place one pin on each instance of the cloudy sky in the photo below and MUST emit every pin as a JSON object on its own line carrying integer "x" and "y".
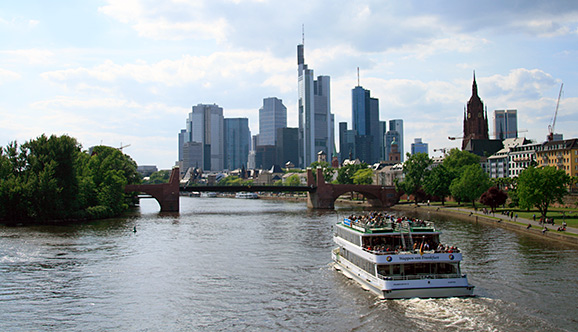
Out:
{"x": 128, "y": 71}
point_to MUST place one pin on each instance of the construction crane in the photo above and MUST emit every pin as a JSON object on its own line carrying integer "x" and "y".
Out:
{"x": 453, "y": 138}
{"x": 551, "y": 126}
{"x": 442, "y": 150}
{"x": 512, "y": 132}
{"x": 123, "y": 146}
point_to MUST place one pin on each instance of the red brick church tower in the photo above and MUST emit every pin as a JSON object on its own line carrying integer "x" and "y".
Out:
{"x": 475, "y": 118}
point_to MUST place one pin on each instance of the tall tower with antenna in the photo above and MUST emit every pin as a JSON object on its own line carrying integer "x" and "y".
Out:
{"x": 316, "y": 122}
{"x": 365, "y": 123}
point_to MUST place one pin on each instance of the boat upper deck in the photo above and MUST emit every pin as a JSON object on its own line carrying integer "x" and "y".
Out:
{"x": 378, "y": 222}
{"x": 383, "y": 234}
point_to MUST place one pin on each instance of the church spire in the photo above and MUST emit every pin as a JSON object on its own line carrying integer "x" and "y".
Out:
{"x": 474, "y": 86}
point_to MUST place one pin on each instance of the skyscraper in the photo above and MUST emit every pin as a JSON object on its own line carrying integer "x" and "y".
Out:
{"x": 237, "y": 142}
{"x": 365, "y": 118}
{"x": 475, "y": 119}
{"x": 419, "y": 147}
{"x": 346, "y": 142}
{"x": 272, "y": 115}
{"x": 205, "y": 127}
{"x": 395, "y": 131}
{"x": 316, "y": 123}
{"x": 286, "y": 146}
{"x": 505, "y": 124}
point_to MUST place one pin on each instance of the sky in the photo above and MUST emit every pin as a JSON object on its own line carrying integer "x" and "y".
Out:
{"x": 127, "y": 72}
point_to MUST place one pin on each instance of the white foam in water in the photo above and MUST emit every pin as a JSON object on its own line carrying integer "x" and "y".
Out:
{"x": 460, "y": 314}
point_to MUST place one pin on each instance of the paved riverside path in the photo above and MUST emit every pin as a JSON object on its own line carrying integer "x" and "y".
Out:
{"x": 535, "y": 224}
{"x": 536, "y": 227}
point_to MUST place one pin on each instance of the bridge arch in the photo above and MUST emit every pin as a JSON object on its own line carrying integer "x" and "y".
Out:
{"x": 326, "y": 194}
{"x": 167, "y": 194}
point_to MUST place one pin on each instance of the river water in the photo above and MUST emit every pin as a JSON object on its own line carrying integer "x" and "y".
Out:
{"x": 226, "y": 264}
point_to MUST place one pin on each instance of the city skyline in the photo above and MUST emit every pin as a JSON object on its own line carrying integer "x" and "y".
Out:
{"x": 127, "y": 73}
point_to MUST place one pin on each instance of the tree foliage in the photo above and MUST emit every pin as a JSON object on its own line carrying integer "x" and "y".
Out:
{"x": 494, "y": 197}
{"x": 437, "y": 182}
{"x": 363, "y": 176}
{"x": 540, "y": 187}
{"x": 50, "y": 178}
{"x": 293, "y": 180}
{"x": 457, "y": 159}
{"x": 345, "y": 174}
{"x": 415, "y": 170}
{"x": 159, "y": 177}
{"x": 328, "y": 171}
{"x": 231, "y": 180}
{"x": 470, "y": 185}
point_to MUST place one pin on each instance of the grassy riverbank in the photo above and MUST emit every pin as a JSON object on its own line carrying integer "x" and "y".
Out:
{"x": 520, "y": 224}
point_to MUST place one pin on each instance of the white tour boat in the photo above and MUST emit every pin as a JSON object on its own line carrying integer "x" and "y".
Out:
{"x": 246, "y": 195}
{"x": 398, "y": 257}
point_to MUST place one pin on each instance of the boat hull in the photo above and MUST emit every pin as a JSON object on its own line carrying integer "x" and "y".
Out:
{"x": 400, "y": 289}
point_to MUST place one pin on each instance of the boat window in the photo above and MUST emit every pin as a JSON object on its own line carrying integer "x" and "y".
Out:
{"x": 418, "y": 270}
{"x": 358, "y": 261}
{"x": 382, "y": 243}
{"x": 348, "y": 236}
{"x": 446, "y": 268}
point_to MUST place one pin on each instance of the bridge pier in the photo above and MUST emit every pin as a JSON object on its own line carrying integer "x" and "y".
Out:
{"x": 326, "y": 193}
{"x": 167, "y": 194}
{"x": 322, "y": 198}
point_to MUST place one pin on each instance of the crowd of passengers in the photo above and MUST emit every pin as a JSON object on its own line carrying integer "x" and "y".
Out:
{"x": 381, "y": 219}
{"x": 379, "y": 245}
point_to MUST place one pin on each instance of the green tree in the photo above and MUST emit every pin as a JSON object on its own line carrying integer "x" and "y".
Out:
{"x": 50, "y": 178}
{"x": 415, "y": 170}
{"x": 293, "y": 180}
{"x": 107, "y": 171}
{"x": 162, "y": 176}
{"x": 328, "y": 171}
{"x": 58, "y": 156}
{"x": 540, "y": 187}
{"x": 345, "y": 174}
{"x": 363, "y": 176}
{"x": 39, "y": 179}
{"x": 472, "y": 183}
{"x": 457, "y": 159}
{"x": 437, "y": 182}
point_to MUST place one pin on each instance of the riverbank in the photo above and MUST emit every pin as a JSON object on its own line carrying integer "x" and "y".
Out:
{"x": 519, "y": 225}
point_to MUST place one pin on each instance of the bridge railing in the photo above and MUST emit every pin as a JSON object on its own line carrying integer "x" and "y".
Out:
{"x": 250, "y": 188}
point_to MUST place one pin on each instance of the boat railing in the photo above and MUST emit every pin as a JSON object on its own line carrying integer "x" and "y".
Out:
{"x": 411, "y": 252}
{"x": 421, "y": 277}
{"x": 403, "y": 226}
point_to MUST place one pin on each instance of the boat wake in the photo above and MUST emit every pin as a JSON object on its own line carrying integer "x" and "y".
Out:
{"x": 469, "y": 314}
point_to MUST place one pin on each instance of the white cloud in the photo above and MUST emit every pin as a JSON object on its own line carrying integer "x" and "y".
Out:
{"x": 520, "y": 84}
{"x": 7, "y": 75}
{"x": 31, "y": 56}
{"x": 178, "y": 72}
{"x": 168, "y": 20}
{"x": 19, "y": 23}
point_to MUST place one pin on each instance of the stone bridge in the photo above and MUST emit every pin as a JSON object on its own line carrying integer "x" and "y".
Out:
{"x": 320, "y": 195}
{"x": 326, "y": 194}
{"x": 167, "y": 194}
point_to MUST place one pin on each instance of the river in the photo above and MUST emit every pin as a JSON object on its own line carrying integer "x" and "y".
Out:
{"x": 226, "y": 264}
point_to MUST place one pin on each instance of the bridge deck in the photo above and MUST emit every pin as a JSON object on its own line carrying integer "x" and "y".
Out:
{"x": 248, "y": 188}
